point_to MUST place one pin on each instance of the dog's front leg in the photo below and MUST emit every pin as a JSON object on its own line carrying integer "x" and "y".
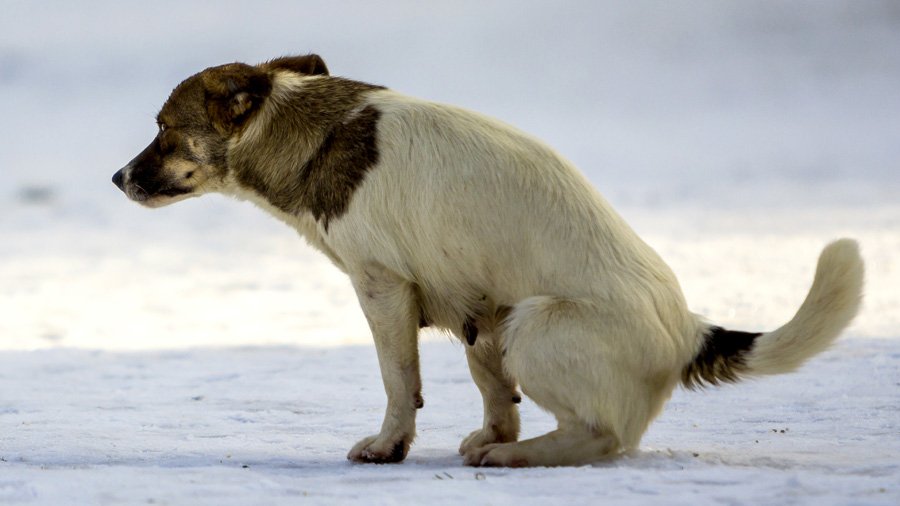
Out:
{"x": 390, "y": 306}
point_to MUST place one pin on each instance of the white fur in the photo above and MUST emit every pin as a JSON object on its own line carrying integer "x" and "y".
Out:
{"x": 465, "y": 212}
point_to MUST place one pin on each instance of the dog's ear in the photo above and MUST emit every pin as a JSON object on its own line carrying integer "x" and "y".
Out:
{"x": 233, "y": 93}
{"x": 311, "y": 64}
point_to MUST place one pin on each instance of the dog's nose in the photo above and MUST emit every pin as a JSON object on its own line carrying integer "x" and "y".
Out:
{"x": 118, "y": 179}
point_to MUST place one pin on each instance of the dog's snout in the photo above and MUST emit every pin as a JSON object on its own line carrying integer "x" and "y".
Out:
{"x": 118, "y": 179}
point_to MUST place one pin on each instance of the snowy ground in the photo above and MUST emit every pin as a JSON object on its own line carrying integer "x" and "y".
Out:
{"x": 269, "y": 425}
{"x": 202, "y": 354}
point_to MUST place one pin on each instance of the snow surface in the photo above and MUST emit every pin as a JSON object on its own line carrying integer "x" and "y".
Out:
{"x": 202, "y": 354}
{"x": 270, "y": 425}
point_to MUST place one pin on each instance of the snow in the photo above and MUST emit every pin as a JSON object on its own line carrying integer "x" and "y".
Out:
{"x": 268, "y": 425}
{"x": 203, "y": 354}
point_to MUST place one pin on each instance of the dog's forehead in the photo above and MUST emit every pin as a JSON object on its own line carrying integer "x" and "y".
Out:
{"x": 185, "y": 103}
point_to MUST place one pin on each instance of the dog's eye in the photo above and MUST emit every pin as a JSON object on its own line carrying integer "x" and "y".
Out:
{"x": 162, "y": 127}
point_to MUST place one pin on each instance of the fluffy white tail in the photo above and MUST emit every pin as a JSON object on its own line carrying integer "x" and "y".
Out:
{"x": 831, "y": 304}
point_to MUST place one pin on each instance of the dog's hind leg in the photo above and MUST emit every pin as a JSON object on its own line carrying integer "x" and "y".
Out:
{"x": 498, "y": 391}
{"x": 587, "y": 367}
{"x": 390, "y": 306}
{"x": 569, "y": 445}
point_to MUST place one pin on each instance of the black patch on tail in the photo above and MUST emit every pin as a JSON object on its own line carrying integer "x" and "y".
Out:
{"x": 721, "y": 359}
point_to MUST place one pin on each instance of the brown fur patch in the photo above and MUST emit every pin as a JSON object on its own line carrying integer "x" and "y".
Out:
{"x": 339, "y": 166}
{"x": 314, "y": 149}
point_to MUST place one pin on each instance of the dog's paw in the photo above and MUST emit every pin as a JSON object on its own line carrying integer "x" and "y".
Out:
{"x": 497, "y": 455}
{"x": 378, "y": 450}
{"x": 483, "y": 437}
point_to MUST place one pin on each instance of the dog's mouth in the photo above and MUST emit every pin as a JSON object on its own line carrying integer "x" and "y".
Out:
{"x": 139, "y": 194}
{"x": 158, "y": 199}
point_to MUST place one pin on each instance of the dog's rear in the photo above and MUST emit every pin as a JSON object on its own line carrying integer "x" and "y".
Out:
{"x": 604, "y": 397}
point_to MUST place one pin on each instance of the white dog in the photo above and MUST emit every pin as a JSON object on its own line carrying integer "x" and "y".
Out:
{"x": 446, "y": 218}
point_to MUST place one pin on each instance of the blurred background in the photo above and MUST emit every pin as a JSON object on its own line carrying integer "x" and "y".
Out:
{"x": 738, "y": 137}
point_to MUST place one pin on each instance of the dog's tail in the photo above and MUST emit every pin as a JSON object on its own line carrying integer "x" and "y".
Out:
{"x": 832, "y": 302}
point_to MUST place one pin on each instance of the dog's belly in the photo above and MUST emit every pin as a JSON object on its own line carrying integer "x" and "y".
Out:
{"x": 482, "y": 318}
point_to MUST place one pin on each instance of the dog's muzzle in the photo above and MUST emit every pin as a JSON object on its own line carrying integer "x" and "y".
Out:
{"x": 132, "y": 191}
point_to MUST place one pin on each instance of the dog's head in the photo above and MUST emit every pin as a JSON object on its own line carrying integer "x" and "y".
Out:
{"x": 188, "y": 156}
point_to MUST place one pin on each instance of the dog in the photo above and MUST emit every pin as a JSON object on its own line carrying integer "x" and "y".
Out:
{"x": 445, "y": 218}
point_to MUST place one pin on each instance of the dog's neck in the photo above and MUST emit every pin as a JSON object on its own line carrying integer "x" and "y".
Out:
{"x": 307, "y": 148}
